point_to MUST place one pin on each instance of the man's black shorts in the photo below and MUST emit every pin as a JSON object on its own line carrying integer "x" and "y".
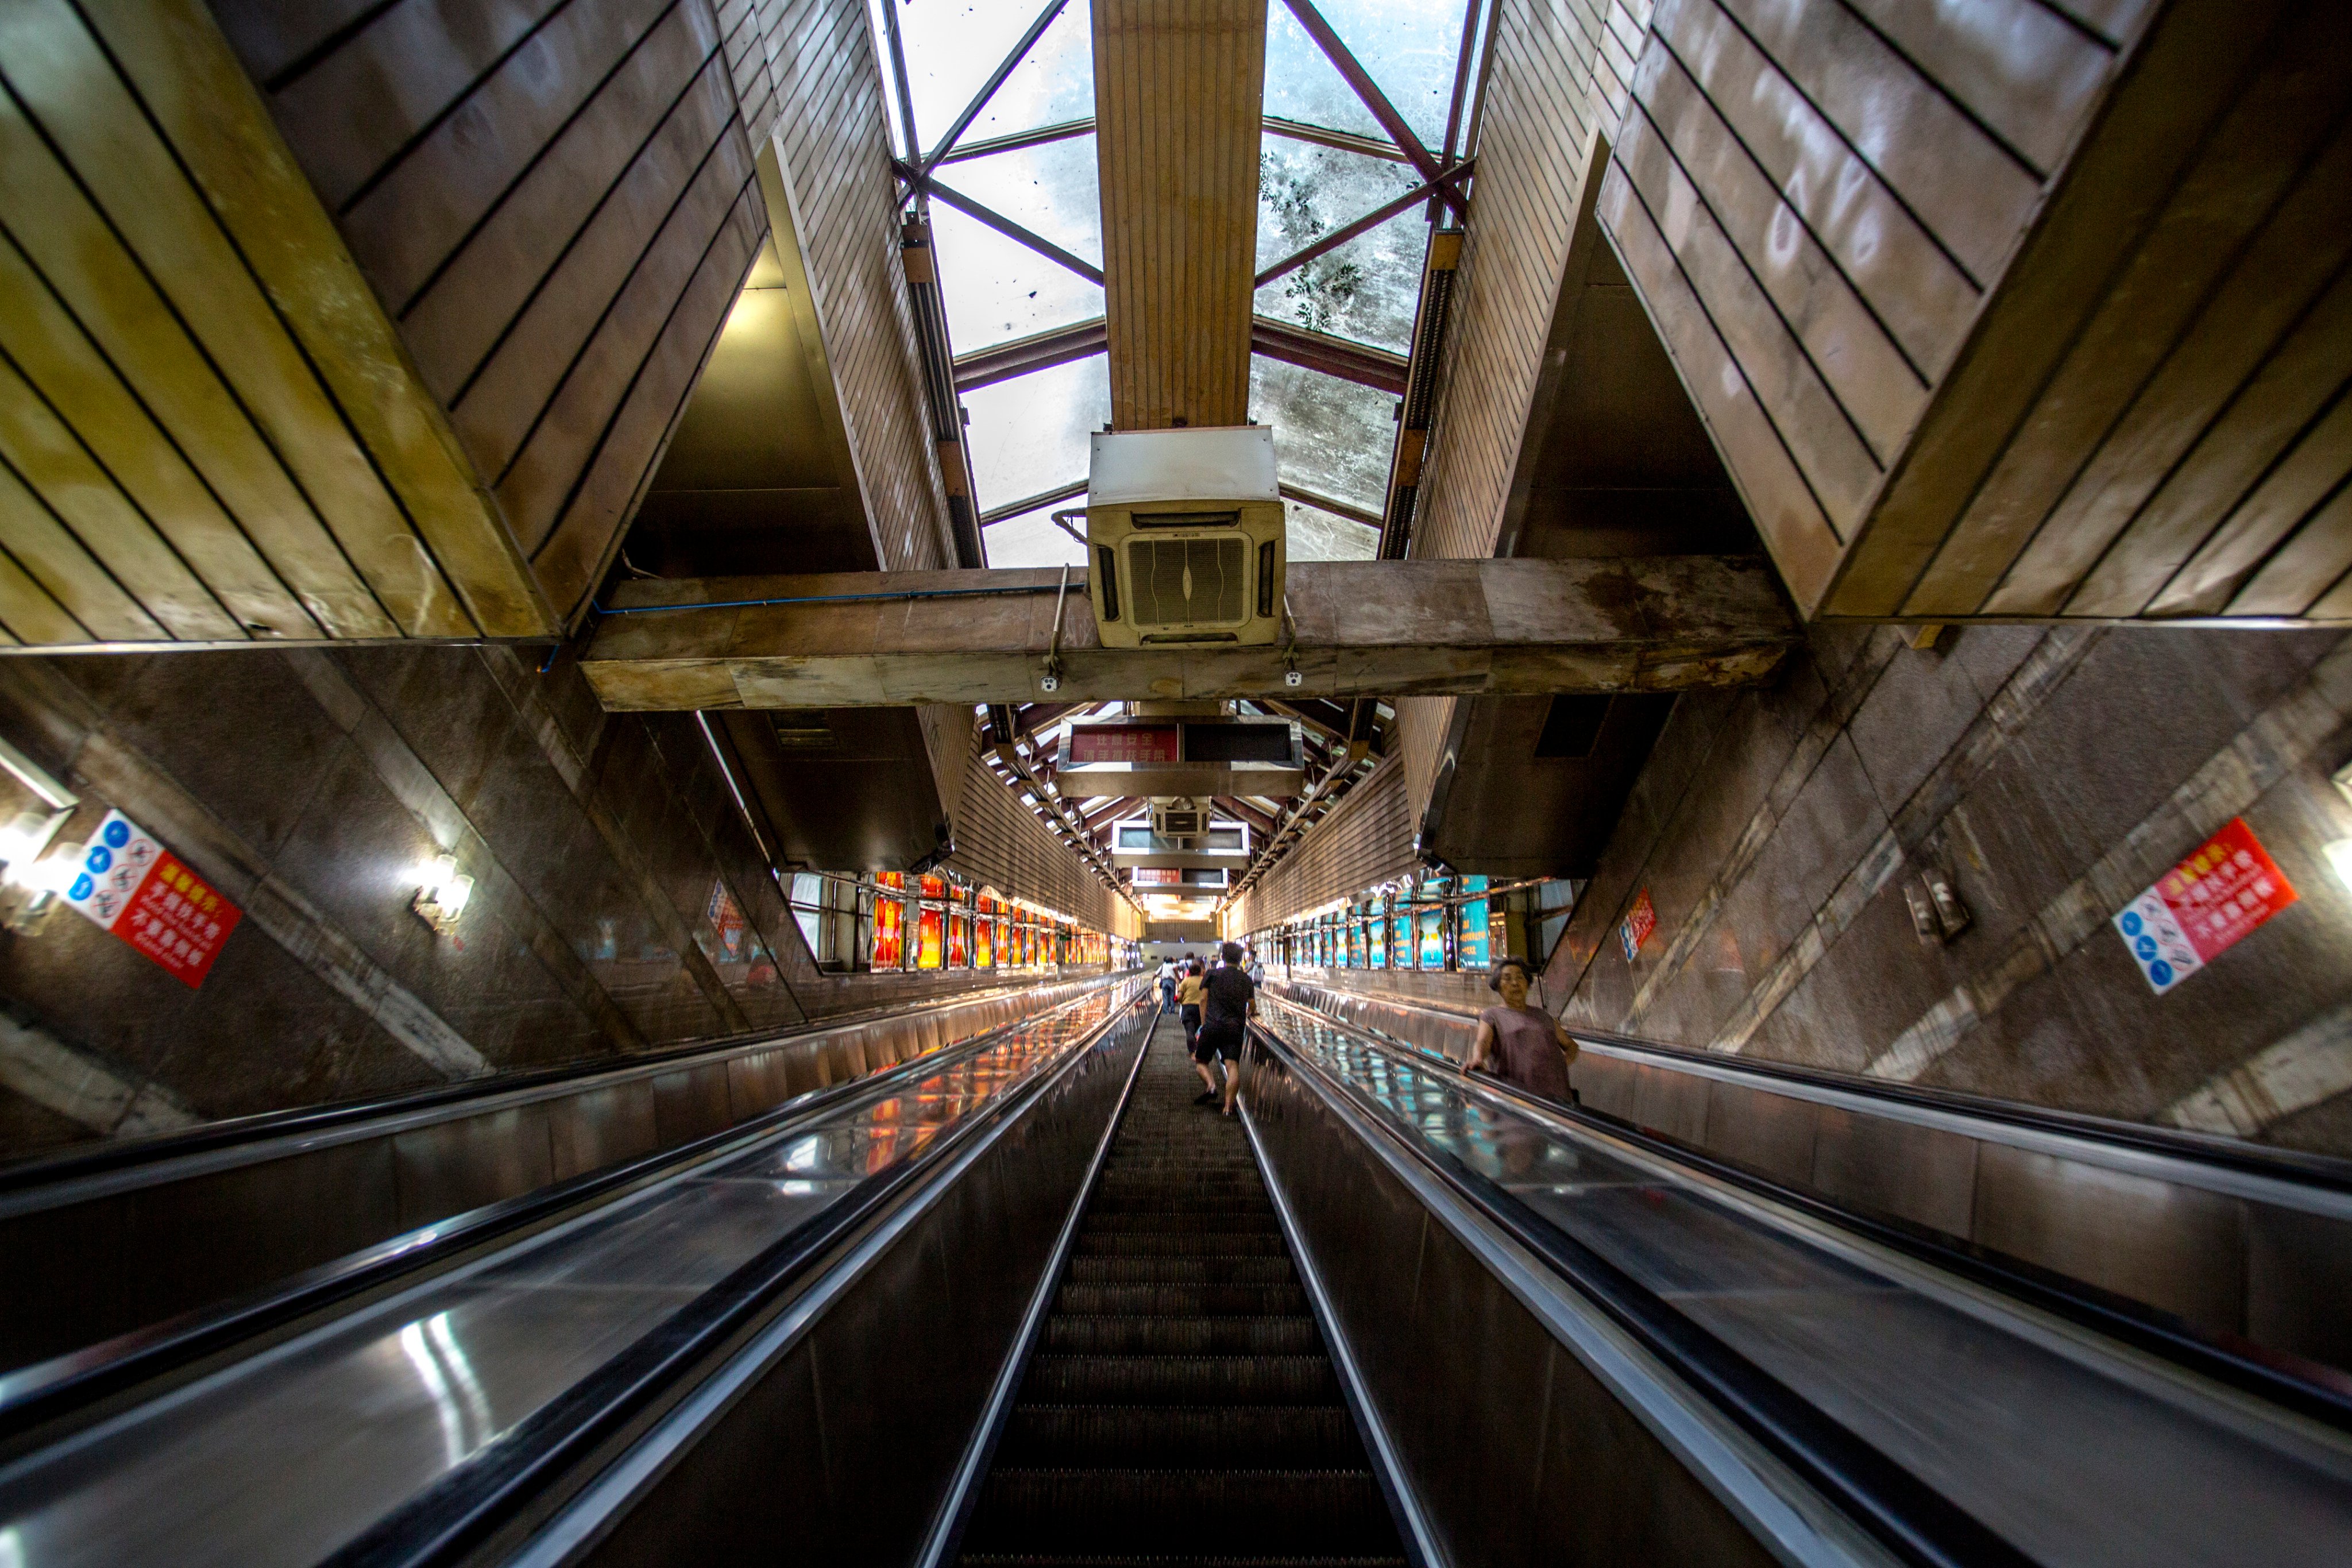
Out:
{"x": 1221, "y": 1040}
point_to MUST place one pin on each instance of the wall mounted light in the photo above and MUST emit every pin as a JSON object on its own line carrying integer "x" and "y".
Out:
{"x": 441, "y": 896}
{"x": 31, "y": 883}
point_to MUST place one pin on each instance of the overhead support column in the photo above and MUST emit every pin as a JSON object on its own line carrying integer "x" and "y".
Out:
{"x": 1361, "y": 628}
{"x": 1178, "y": 109}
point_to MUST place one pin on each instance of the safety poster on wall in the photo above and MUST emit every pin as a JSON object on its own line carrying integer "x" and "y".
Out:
{"x": 2224, "y": 889}
{"x": 130, "y": 885}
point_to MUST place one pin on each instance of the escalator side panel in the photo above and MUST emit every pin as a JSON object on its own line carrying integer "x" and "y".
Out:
{"x": 131, "y": 1253}
{"x": 842, "y": 1450}
{"x": 1520, "y": 1453}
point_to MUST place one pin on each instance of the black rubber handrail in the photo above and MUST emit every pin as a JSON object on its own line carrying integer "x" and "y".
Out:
{"x": 472, "y": 1502}
{"x": 1912, "y": 1519}
{"x": 45, "y": 1394}
{"x": 2319, "y": 1171}
{"x": 122, "y": 1154}
{"x": 2312, "y": 1389}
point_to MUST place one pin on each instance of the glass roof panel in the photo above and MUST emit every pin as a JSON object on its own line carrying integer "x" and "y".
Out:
{"x": 1310, "y": 534}
{"x": 997, "y": 290}
{"x": 890, "y": 77}
{"x": 1029, "y": 435}
{"x": 1367, "y": 288}
{"x": 952, "y": 48}
{"x": 1052, "y": 190}
{"x": 1302, "y": 84}
{"x": 1331, "y": 437}
{"x": 1409, "y": 47}
{"x": 1304, "y": 191}
{"x": 1032, "y": 539}
{"x": 1053, "y": 82}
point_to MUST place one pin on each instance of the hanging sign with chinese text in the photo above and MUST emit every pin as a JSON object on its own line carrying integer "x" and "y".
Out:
{"x": 2202, "y": 906}
{"x": 133, "y": 886}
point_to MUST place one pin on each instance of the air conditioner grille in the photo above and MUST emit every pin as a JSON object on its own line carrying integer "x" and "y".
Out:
{"x": 1183, "y": 583}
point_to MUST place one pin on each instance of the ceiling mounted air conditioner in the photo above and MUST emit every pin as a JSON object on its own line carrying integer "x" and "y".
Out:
{"x": 1184, "y": 536}
{"x": 1180, "y": 820}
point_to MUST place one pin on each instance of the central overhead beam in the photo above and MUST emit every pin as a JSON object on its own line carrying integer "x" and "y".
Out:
{"x": 1363, "y": 627}
{"x": 1179, "y": 101}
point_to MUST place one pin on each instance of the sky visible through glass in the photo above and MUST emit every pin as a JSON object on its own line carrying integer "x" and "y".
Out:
{"x": 1029, "y": 435}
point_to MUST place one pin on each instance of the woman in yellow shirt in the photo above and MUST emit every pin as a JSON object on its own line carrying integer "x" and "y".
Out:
{"x": 1188, "y": 1003}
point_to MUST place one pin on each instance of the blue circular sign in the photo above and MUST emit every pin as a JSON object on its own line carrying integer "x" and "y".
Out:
{"x": 2160, "y": 971}
{"x": 2144, "y": 947}
{"x": 117, "y": 835}
{"x": 82, "y": 888}
{"x": 2131, "y": 922}
{"x": 100, "y": 858}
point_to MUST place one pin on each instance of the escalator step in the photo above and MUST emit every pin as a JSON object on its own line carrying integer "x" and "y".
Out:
{"x": 1180, "y": 1409}
{"x": 1177, "y": 1243}
{"x": 1033, "y": 1560}
{"x": 1183, "y": 1301}
{"x": 1327, "y": 1511}
{"x": 1139, "y": 1335}
{"x": 1282, "y": 1437}
{"x": 1181, "y": 1270}
{"x": 1181, "y": 1379}
{"x": 1203, "y": 1221}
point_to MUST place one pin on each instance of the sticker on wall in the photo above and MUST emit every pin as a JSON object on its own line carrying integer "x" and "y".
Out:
{"x": 2202, "y": 906}
{"x": 133, "y": 886}
{"x": 1638, "y": 923}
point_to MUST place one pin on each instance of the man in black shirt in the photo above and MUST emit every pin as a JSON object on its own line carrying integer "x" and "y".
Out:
{"x": 1227, "y": 1000}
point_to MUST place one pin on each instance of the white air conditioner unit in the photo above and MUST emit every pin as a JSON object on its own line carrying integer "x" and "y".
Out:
{"x": 1179, "y": 819}
{"x": 1184, "y": 537}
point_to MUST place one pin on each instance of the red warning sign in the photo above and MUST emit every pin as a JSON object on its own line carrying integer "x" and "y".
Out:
{"x": 2204, "y": 906}
{"x": 178, "y": 920}
{"x": 133, "y": 886}
{"x": 1640, "y": 922}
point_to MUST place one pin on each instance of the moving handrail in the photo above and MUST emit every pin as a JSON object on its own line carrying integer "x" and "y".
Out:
{"x": 406, "y": 1428}
{"x": 2222, "y": 1250}
{"x": 1873, "y": 1379}
{"x": 40, "y": 1395}
{"x": 132, "y": 1232}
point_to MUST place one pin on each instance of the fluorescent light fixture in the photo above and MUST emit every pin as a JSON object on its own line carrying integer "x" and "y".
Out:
{"x": 2339, "y": 855}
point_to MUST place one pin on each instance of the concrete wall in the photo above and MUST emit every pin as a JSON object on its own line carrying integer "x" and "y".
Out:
{"x": 306, "y": 787}
{"x": 2054, "y": 773}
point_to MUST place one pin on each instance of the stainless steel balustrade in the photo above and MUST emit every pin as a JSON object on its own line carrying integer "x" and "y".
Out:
{"x": 124, "y": 1236}
{"x": 396, "y": 1409}
{"x": 2249, "y": 1243}
{"x": 2056, "y": 1445}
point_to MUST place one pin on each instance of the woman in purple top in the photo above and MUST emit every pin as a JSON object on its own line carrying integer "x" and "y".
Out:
{"x": 1518, "y": 1044}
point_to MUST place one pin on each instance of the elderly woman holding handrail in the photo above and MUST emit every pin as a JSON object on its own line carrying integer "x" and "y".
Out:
{"x": 1523, "y": 1045}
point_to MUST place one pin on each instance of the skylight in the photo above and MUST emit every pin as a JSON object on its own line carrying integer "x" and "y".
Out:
{"x": 1017, "y": 228}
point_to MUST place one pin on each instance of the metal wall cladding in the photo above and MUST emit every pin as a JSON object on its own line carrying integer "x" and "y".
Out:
{"x": 2271, "y": 1270}
{"x": 176, "y": 1237}
{"x": 865, "y": 1416}
{"x": 1519, "y": 1453}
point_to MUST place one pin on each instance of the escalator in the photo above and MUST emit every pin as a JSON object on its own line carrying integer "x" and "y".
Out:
{"x": 1021, "y": 1301}
{"x": 1180, "y": 1405}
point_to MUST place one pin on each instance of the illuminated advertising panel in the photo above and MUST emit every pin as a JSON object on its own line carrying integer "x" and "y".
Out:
{"x": 930, "y": 942}
{"x": 1432, "y": 938}
{"x": 889, "y": 936}
{"x": 960, "y": 941}
{"x": 1474, "y": 948}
